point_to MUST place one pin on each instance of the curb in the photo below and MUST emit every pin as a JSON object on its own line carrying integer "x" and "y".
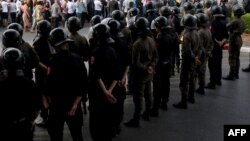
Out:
{"x": 245, "y": 49}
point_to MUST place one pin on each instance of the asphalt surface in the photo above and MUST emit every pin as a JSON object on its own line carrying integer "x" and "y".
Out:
{"x": 202, "y": 121}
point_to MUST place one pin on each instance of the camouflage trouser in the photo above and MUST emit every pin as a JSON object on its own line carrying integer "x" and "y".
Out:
{"x": 234, "y": 55}
{"x": 201, "y": 71}
{"x": 187, "y": 81}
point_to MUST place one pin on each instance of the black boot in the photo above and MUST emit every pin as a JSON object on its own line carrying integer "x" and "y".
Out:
{"x": 154, "y": 112}
{"x": 247, "y": 69}
{"x": 200, "y": 91}
{"x": 132, "y": 123}
{"x": 145, "y": 115}
{"x": 210, "y": 85}
{"x": 228, "y": 77}
{"x": 180, "y": 105}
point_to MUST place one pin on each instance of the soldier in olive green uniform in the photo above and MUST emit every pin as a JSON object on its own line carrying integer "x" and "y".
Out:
{"x": 190, "y": 56}
{"x": 236, "y": 28}
{"x": 206, "y": 45}
{"x": 144, "y": 59}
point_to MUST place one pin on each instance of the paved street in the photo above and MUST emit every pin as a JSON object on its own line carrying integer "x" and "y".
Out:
{"x": 202, "y": 121}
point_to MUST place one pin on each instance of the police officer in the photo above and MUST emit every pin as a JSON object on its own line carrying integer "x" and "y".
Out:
{"x": 219, "y": 35}
{"x": 18, "y": 119}
{"x": 44, "y": 51}
{"x": 150, "y": 12}
{"x": 31, "y": 57}
{"x": 119, "y": 16}
{"x": 178, "y": 30}
{"x": 190, "y": 54}
{"x": 81, "y": 45}
{"x": 123, "y": 56}
{"x": 144, "y": 59}
{"x": 103, "y": 78}
{"x": 189, "y": 8}
{"x": 161, "y": 83}
{"x": 66, "y": 82}
{"x": 206, "y": 46}
{"x": 235, "y": 28}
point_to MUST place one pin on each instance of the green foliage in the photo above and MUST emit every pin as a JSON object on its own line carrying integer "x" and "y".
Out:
{"x": 246, "y": 19}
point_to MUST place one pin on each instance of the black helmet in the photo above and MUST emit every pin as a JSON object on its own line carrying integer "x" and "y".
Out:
{"x": 43, "y": 27}
{"x": 199, "y": 11}
{"x": 217, "y": 11}
{"x": 165, "y": 11}
{"x": 238, "y": 10}
{"x": 17, "y": 27}
{"x": 95, "y": 20}
{"x": 161, "y": 22}
{"x": 202, "y": 19}
{"x": 150, "y": 6}
{"x": 73, "y": 24}
{"x": 11, "y": 38}
{"x": 214, "y": 3}
{"x": 58, "y": 37}
{"x": 198, "y": 5}
{"x": 12, "y": 59}
{"x": 176, "y": 10}
{"x": 101, "y": 32}
{"x": 114, "y": 26}
{"x": 133, "y": 12}
{"x": 208, "y": 3}
{"x": 189, "y": 21}
{"x": 188, "y": 7}
{"x": 141, "y": 24}
{"x": 117, "y": 15}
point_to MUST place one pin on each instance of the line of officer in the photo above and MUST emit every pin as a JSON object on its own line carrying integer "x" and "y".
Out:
{"x": 66, "y": 83}
{"x": 235, "y": 28}
{"x": 18, "y": 119}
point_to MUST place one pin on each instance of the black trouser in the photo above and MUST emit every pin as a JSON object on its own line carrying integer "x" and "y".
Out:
{"x": 118, "y": 108}
{"x": 161, "y": 85}
{"x": 57, "y": 116}
{"x": 100, "y": 121}
{"x": 18, "y": 131}
{"x": 215, "y": 64}
{"x": 13, "y": 17}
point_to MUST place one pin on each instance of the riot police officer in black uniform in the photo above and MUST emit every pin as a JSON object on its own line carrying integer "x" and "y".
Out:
{"x": 23, "y": 95}
{"x": 103, "y": 78}
{"x": 219, "y": 35}
{"x": 66, "y": 83}
{"x": 161, "y": 82}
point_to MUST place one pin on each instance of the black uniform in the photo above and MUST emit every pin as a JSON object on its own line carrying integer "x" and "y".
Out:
{"x": 104, "y": 67}
{"x": 24, "y": 103}
{"x": 66, "y": 81}
{"x": 165, "y": 43}
{"x": 219, "y": 32}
